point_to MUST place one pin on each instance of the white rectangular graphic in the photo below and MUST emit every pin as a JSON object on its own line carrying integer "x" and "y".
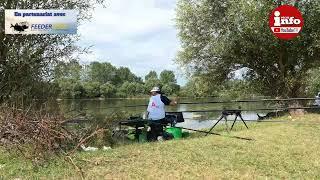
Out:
{"x": 40, "y": 21}
{"x": 292, "y": 30}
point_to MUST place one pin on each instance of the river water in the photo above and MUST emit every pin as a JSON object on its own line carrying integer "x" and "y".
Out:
{"x": 103, "y": 108}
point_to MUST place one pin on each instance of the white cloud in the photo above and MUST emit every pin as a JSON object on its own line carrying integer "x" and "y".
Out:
{"x": 139, "y": 34}
{"x": 124, "y": 18}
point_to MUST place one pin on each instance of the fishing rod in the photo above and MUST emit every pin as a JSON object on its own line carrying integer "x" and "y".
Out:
{"x": 214, "y": 102}
{"x": 210, "y": 102}
{"x": 221, "y": 110}
{"x": 217, "y": 134}
{"x": 249, "y": 100}
{"x": 257, "y": 109}
{"x": 231, "y": 120}
{"x": 147, "y": 97}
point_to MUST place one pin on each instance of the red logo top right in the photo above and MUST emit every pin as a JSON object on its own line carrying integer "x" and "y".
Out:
{"x": 286, "y": 22}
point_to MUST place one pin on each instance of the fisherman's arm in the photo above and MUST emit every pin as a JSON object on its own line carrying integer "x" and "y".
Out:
{"x": 173, "y": 103}
{"x": 168, "y": 102}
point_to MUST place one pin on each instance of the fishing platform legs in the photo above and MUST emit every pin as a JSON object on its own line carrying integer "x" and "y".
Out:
{"x": 224, "y": 116}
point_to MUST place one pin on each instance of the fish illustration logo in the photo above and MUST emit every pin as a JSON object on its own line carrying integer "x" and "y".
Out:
{"x": 20, "y": 27}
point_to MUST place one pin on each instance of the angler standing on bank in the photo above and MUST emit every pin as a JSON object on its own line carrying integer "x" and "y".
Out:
{"x": 156, "y": 112}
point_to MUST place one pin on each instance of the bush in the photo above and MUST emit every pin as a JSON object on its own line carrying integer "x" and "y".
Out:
{"x": 108, "y": 90}
{"x": 92, "y": 89}
{"x": 35, "y": 134}
{"x": 130, "y": 89}
{"x": 313, "y": 82}
{"x": 39, "y": 135}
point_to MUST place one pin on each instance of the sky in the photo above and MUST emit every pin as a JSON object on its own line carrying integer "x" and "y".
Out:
{"x": 139, "y": 34}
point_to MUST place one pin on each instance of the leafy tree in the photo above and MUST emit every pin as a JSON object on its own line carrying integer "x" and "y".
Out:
{"x": 236, "y": 89}
{"x": 124, "y": 74}
{"x": 219, "y": 37}
{"x": 78, "y": 90}
{"x": 199, "y": 86}
{"x": 313, "y": 83}
{"x": 44, "y": 91}
{"x": 151, "y": 75}
{"x": 71, "y": 89}
{"x": 150, "y": 83}
{"x": 101, "y": 72}
{"x": 130, "y": 89}
{"x": 92, "y": 89}
{"x": 106, "y": 72}
{"x": 67, "y": 70}
{"x": 140, "y": 89}
{"x": 108, "y": 90}
{"x": 26, "y": 62}
{"x": 167, "y": 76}
{"x": 170, "y": 88}
{"x": 68, "y": 77}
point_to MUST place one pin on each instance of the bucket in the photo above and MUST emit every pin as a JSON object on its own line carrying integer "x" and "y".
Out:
{"x": 185, "y": 134}
{"x": 175, "y": 131}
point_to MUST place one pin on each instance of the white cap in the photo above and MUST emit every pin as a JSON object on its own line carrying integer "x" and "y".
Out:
{"x": 155, "y": 89}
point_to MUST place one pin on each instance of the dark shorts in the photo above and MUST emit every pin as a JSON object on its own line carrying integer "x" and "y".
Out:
{"x": 156, "y": 129}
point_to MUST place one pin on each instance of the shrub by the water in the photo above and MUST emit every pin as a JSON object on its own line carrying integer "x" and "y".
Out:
{"x": 39, "y": 135}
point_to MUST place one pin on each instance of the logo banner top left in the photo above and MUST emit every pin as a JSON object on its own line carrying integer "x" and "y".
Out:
{"x": 39, "y": 21}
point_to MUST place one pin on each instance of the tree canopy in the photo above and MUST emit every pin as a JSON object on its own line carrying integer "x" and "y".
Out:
{"x": 167, "y": 77}
{"x": 220, "y": 37}
{"x": 27, "y": 61}
{"x": 102, "y": 79}
{"x": 151, "y": 75}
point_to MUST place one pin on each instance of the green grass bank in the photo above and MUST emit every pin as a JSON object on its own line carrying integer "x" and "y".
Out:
{"x": 282, "y": 150}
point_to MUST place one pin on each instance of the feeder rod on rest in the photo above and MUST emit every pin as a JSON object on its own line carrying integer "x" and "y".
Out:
{"x": 237, "y": 137}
